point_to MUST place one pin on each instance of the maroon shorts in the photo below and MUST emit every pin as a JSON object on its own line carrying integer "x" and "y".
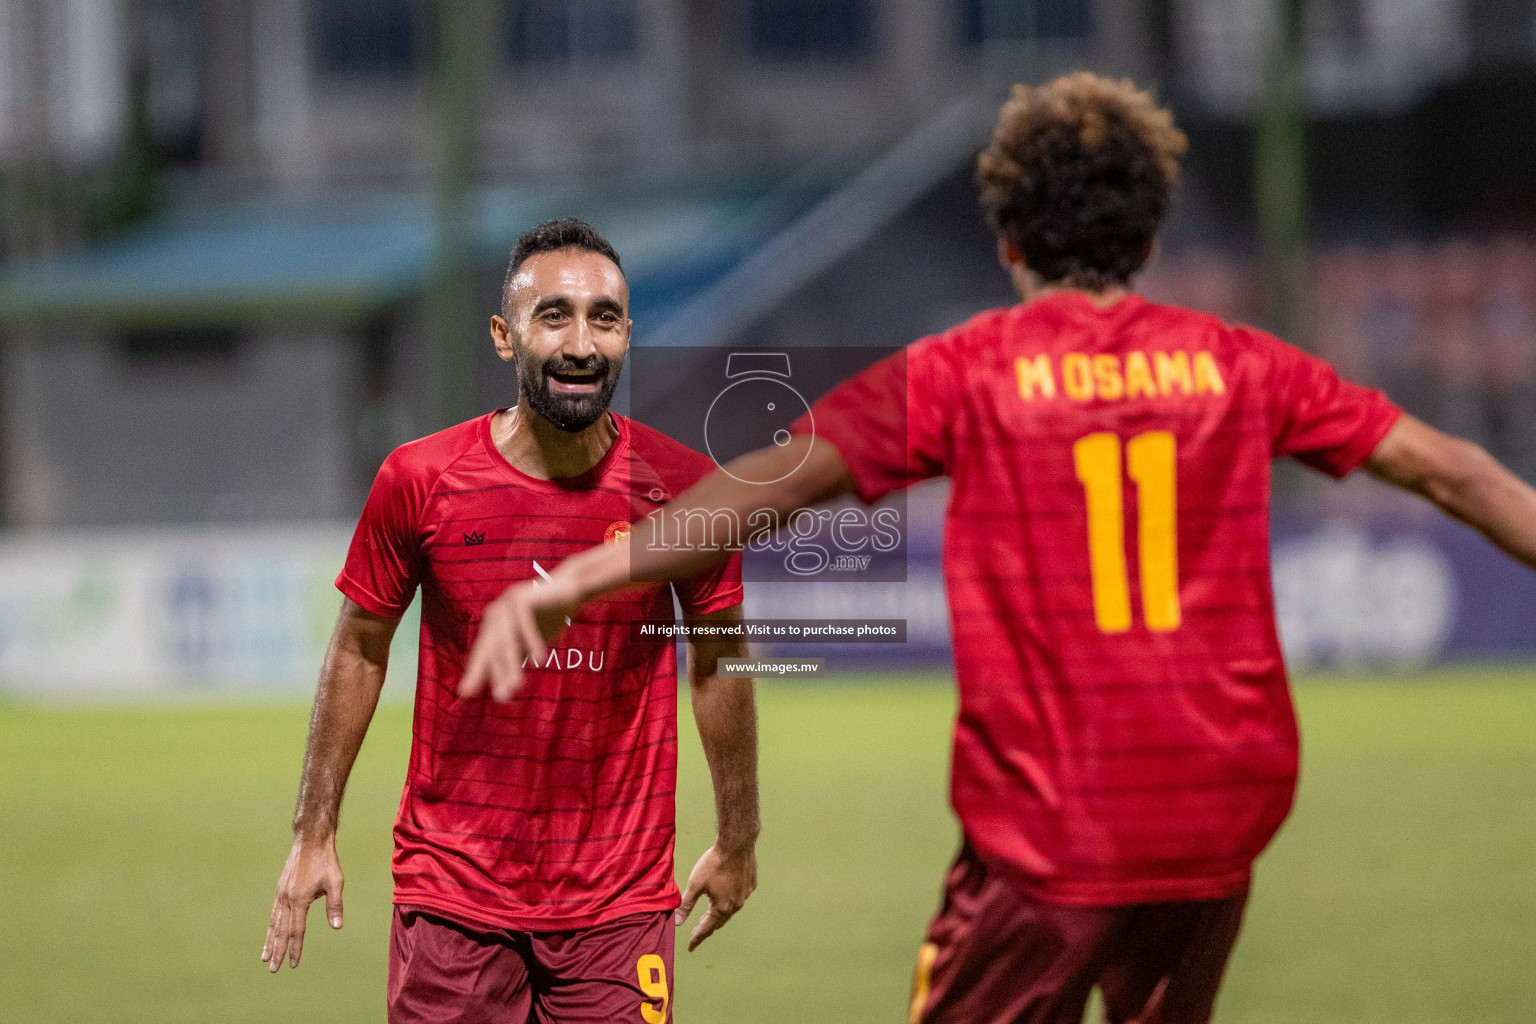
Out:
{"x": 996, "y": 955}
{"x": 441, "y": 970}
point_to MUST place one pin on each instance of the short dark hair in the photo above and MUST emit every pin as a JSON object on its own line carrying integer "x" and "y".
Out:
{"x": 1078, "y": 176}
{"x": 552, "y": 236}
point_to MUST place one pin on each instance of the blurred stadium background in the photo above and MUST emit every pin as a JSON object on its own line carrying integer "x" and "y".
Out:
{"x": 247, "y": 248}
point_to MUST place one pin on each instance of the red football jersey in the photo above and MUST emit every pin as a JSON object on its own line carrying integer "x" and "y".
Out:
{"x": 554, "y": 810}
{"x": 1125, "y": 731}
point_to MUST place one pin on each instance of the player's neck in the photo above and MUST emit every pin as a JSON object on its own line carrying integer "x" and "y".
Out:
{"x": 1031, "y": 289}
{"x": 538, "y": 448}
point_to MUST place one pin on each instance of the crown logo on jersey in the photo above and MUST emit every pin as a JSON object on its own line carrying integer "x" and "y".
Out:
{"x": 474, "y": 539}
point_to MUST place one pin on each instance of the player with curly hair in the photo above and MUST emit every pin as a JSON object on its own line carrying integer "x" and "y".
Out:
{"x": 1126, "y": 744}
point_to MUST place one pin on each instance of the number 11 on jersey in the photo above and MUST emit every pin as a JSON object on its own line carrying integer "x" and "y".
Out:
{"x": 1150, "y": 460}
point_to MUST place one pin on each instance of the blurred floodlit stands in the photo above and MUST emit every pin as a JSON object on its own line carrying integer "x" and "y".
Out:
{"x": 1448, "y": 329}
{"x": 223, "y": 221}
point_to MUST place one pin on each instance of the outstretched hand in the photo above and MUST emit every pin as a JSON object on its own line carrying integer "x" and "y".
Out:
{"x": 727, "y": 879}
{"x": 518, "y": 625}
{"x": 313, "y": 870}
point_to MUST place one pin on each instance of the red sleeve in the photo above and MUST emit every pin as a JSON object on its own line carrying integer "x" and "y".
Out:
{"x": 383, "y": 563}
{"x": 712, "y": 590}
{"x": 1318, "y": 417}
{"x": 890, "y": 422}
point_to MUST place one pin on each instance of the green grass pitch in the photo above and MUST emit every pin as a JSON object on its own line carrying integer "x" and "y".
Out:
{"x": 141, "y": 846}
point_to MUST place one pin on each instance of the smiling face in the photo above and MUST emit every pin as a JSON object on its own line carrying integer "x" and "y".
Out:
{"x": 565, "y": 321}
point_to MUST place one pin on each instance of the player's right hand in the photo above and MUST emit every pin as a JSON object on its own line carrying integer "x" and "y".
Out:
{"x": 312, "y": 869}
{"x": 516, "y": 626}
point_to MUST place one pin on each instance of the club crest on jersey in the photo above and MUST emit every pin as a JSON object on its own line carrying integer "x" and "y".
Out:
{"x": 617, "y": 532}
{"x": 475, "y": 539}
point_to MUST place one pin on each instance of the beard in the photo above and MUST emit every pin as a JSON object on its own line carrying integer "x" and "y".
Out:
{"x": 569, "y": 412}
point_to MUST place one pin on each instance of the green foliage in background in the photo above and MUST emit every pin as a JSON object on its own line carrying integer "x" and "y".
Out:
{"x": 141, "y": 847}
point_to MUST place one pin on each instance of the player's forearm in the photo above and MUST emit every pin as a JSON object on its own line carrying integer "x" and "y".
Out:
{"x": 350, "y": 682}
{"x": 1464, "y": 481}
{"x": 726, "y": 715}
{"x": 804, "y": 473}
{"x": 1493, "y": 500}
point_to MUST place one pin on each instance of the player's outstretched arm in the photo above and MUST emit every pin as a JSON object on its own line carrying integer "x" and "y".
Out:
{"x": 520, "y": 622}
{"x": 350, "y": 681}
{"x": 1463, "y": 480}
{"x": 726, "y": 716}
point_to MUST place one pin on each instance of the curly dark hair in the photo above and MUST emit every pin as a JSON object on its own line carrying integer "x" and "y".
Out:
{"x": 1078, "y": 176}
{"x": 552, "y": 236}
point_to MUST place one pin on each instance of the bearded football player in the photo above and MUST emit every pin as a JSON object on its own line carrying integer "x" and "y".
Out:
{"x": 533, "y": 848}
{"x": 1126, "y": 743}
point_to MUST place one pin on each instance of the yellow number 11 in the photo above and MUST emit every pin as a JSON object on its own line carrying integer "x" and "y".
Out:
{"x": 1150, "y": 460}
